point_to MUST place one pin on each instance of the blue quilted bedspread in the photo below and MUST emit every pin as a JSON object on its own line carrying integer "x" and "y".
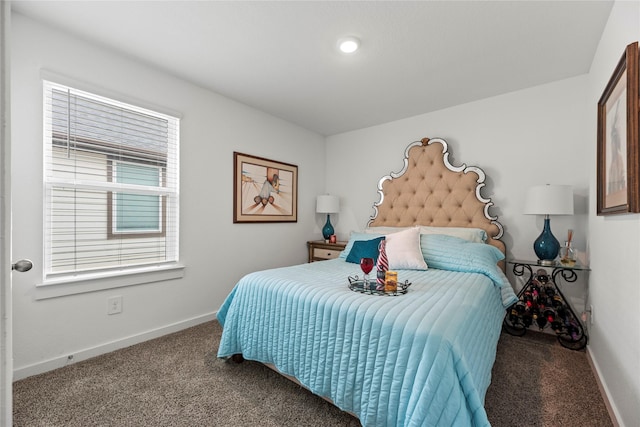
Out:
{"x": 419, "y": 359}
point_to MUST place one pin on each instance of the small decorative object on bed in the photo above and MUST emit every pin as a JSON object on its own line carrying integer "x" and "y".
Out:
{"x": 423, "y": 358}
{"x": 363, "y": 286}
{"x": 366, "y": 264}
{"x": 618, "y": 166}
{"x": 264, "y": 190}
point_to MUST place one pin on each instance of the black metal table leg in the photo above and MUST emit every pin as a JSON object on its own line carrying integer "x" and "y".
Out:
{"x": 542, "y": 303}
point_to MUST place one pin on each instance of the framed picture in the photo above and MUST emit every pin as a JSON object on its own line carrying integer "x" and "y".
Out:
{"x": 264, "y": 190}
{"x": 618, "y": 152}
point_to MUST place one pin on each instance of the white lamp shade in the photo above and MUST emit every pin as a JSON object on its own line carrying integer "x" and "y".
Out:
{"x": 328, "y": 204}
{"x": 549, "y": 200}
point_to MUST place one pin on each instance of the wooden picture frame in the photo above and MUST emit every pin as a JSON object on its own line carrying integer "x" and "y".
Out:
{"x": 264, "y": 190}
{"x": 618, "y": 151}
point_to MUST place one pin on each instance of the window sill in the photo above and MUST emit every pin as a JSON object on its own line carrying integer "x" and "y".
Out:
{"x": 83, "y": 284}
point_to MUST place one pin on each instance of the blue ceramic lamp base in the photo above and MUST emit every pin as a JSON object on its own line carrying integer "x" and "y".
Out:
{"x": 546, "y": 245}
{"x": 327, "y": 230}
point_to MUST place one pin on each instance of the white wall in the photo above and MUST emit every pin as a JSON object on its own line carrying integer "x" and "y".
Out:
{"x": 615, "y": 246}
{"x": 534, "y": 136}
{"x": 216, "y": 252}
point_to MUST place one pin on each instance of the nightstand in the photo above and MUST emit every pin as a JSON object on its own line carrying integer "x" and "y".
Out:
{"x": 542, "y": 304}
{"x": 319, "y": 250}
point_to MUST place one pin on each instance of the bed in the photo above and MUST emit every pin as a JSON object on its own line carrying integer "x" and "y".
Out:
{"x": 423, "y": 358}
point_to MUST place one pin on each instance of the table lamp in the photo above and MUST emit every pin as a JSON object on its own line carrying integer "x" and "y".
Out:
{"x": 327, "y": 204}
{"x": 548, "y": 200}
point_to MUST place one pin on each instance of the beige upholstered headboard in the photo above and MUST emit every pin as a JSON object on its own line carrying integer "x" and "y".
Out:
{"x": 430, "y": 191}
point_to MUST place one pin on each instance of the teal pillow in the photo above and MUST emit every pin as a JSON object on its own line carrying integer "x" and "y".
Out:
{"x": 364, "y": 249}
{"x": 355, "y": 236}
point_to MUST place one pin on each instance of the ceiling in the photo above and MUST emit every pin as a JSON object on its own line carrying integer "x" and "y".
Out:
{"x": 281, "y": 56}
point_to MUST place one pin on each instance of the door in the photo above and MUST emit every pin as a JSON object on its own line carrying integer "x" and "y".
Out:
{"x": 6, "y": 362}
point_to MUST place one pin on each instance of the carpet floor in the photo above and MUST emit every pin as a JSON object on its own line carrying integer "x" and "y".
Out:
{"x": 176, "y": 380}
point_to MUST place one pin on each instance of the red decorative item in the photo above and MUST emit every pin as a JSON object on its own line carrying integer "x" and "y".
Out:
{"x": 332, "y": 238}
{"x": 382, "y": 266}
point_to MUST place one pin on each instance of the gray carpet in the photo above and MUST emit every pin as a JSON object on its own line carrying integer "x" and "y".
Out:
{"x": 176, "y": 380}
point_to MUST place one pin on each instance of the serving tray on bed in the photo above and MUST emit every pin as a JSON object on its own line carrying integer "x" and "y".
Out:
{"x": 357, "y": 285}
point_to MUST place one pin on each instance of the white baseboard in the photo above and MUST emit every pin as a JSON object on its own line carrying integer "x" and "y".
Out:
{"x": 604, "y": 391}
{"x": 59, "y": 362}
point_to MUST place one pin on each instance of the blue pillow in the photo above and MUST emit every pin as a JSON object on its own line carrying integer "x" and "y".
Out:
{"x": 364, "y": 249}
{"x": 355, "y": 237}
{"x": 456, "y": 254}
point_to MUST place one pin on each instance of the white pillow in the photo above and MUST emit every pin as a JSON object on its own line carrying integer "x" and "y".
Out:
{"x": 384, "y": 230}
{"x": 476, "y": 235}
{"x": 403, "y": 250}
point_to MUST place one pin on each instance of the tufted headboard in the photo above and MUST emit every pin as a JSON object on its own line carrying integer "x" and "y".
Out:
{"x": 430, "y": 191}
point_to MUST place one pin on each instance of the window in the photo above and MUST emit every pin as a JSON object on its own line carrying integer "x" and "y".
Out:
{"x": 133, "y": 214}
{"x": 111, "y": 185}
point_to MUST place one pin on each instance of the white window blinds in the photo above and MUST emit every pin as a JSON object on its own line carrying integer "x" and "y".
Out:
{"x": 111, "y": 184}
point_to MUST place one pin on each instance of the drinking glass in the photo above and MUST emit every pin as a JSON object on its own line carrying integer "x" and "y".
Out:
{"x": 366, "y": 264}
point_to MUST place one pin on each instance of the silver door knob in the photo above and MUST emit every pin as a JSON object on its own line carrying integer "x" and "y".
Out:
{"x": 22, "y": 265}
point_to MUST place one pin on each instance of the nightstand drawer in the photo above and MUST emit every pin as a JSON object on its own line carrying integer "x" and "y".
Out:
{"x": 325, "y": 253}
{"x": 319, "y": 250}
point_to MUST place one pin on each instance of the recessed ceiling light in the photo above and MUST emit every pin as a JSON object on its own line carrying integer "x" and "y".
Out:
{"x": 348, "y": 44}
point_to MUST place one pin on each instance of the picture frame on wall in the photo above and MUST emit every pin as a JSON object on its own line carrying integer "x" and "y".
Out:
{"x": 618, "y": 151}
{"x": 264, "y": 190}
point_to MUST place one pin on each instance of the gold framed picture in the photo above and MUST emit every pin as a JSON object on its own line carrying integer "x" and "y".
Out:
{"x": 264, "y": 190}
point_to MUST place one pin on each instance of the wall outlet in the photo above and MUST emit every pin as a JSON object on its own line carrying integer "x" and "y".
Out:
{"x": 114, "y": 305}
